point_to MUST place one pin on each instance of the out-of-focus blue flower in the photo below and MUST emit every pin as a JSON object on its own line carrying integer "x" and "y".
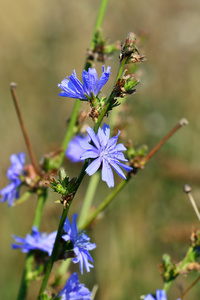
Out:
{"x": 160, "y": 295}
{"x": 11, "y": 191}
{"x": 105, "y": 152}
{"x": 73, "y": 88}
{"x": 81, "y": 244}
{"x": 74, "y": 290}
{"x": 35, "y": 241}
{"x": 74, "y": 149}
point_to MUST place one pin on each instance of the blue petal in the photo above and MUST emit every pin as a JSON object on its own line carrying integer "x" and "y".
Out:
{"x": 103, "y": 80}
{"x": 74, "y": 226}
{"x": 93, "y": 137}
{"x": 90, "y": 79}
{"x": 161, "y": 295}
{"x": 117, "y": 169}
{"x": 93, "y": 166}
{"x": 107, "y": 174}
{"x": 125, "y": 167}
{"x": 89, "y": 154}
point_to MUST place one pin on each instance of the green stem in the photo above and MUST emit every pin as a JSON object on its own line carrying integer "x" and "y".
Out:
{"x": 23, "y": 198}
{"x": 40, "y": 207}
{"x": 98, "y": 24}
{"x": 105, "y": 203}
{"x": 59, "y": 233}
{"x": 77, "y": 104}
{"x": 26, "y": 278}
{"x": 54, "y": 252}
{"x": 94, "y": 180}
{"x": 70, "y": 130}
{"x": 111, "y": 97}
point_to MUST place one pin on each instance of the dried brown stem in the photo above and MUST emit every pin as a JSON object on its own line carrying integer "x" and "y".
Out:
{"x": 22, "y": 124}
{"x": 163, "y": 141}
{"x": 189, "y": 288}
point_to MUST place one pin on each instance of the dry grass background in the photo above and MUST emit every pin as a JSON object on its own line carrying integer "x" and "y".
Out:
{"x": 41, "y": 43}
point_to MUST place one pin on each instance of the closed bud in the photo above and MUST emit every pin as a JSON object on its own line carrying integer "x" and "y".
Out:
{"x": 61, "y": 174}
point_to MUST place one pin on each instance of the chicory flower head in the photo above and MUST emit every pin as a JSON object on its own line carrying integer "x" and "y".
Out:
{"x": 11, "y": 191}
{"x": 106, "y": 153}
{"x": 160, "y": 295}
{"x": 74, "y": 149}
{"x": 74, "y": 290}
{"x": 73, "y": 88}
{"x": 81, "y": 244}
{"x": 35, "y": 241}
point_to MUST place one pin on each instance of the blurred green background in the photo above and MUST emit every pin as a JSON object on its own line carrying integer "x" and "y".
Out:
{"x": 41, "y": 43}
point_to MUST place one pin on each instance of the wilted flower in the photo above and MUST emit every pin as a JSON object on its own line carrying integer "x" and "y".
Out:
{"x": 73, "y": 88}
{"x": 11, "y": 191}
{"x": 35, "y": 241}
{"x": 81, "y": 244}
{"x": 74, "y": 290}
{"x": 74, "y": 149}
{"x": 105, "y": 153}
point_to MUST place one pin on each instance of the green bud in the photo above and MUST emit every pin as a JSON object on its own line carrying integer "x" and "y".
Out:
{"x": 61, "y": 174}
{"x": 60, "y": 189}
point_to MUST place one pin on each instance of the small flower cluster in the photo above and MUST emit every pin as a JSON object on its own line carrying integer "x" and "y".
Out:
{"x": 43, "y": 242}
{"x": 11, "y": 191}
{"x": 74, "y": 290}
{"x": 81, "y": 244}
{"x": 35, "y": 241}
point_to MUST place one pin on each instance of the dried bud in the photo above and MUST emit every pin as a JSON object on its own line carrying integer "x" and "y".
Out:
{"x": 125, "y": 85}
{"x": 129, "y": 50}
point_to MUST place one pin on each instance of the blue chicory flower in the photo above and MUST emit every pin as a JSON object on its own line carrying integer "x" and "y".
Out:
{"x": 105, "y": 152}
{"x": 74, "y": 149}
{"x": 11, "y": 191}
{"x": 81, "y": 244}
{"x": 160, "y": 295}
{"x": 74, "y": 290}
{"x": 35, "y": 241}
{"x": 73, "y": 88}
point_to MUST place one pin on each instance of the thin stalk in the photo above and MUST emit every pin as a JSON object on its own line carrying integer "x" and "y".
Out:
{"x": 166, "y": 138}
{"x": 187, "y": 189}
{"x": 54, "y": 252}
{"x": 98, "y": 24}
{"x": 25, "y": 282}
{"x": 26, "y": 278}
{"x": 94, "y": 180}
{"x": 23, "y": 128}
{"x": 71, "y": 126}
{"x": 40, "y": 207}
{"x": 189, "y": 288}
{"x": 105, "y": 203}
